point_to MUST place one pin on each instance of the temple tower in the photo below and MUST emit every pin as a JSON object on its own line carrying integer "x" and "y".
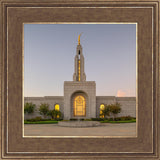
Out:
{"x": 79, "y": 94}
{"x": 79, "y": 74}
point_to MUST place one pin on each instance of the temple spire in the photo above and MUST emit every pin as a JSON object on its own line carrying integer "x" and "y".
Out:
{"x": 79, "y": 74}
{"x": 79, "y": 38}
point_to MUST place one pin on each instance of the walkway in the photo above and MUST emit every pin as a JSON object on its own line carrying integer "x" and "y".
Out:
{"x": 121, "y": 129}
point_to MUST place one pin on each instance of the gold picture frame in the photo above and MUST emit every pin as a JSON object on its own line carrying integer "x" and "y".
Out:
{"x": 16, "y": 12}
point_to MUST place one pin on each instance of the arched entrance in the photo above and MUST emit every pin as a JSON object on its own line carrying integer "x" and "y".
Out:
{"x": 79, "y": 106}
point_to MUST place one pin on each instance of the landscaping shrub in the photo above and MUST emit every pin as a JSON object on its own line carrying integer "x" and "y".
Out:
{"x": 126, "y": 118}
{"x": 45, "y": 119}
{"x": 87, "y": 120}
{"x": 54, "y": 114}
{"x": 41, "y": 122}
{"x": 35, "y": 119}
{"x": 73, "y": 119}
{"x": 38, "y": 118}
{"x": 117, "y": 119}
{"x": 52, "y": 119}
{"x": 29, "y": 108}
{"x": 115, "y": 109}
{"x": 125, "y": 121}
{"x": 110, "y": 119}
{"x": 109, "y": 109}
{"x": 97, "y": 119}
{"x": 44, "y": 109}
{"x": 60, "y": 119}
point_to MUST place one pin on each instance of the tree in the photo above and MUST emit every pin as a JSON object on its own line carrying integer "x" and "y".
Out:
{"x": 44, "y": 109}
{"x": 115, "y": 109}
{"x": 29, "y": 107}
{"x": 105, "y": 111}
{"x": 54, "y": 113}
{"x": 57, "y": 114}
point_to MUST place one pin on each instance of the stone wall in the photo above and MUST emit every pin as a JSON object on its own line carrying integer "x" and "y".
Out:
{"x": 103, "y": 100}
{"x": 74, "y": 87}
{"x": 128, "y": 104}
{"x": 51, "y": 100}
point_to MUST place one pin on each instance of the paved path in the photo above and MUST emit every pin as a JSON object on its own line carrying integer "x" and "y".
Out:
{"x": 122, "y": 129}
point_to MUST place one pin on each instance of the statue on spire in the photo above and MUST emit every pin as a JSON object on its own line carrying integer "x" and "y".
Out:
{"x": 79, "y": 39}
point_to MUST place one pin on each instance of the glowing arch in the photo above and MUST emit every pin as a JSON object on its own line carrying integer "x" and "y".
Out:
{"x": 79, "y": 106}
{"x": 57, "y": 107}
{"x": 101, "y": 109}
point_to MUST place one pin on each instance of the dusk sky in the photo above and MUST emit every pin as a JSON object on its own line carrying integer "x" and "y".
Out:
{"x": 109, "y": 51}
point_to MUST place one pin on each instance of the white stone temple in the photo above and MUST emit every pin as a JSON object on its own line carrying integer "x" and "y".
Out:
{"x": 80, "y": 100}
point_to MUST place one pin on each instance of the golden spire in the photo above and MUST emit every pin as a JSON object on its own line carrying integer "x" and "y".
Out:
{"x": 79, "y": 39}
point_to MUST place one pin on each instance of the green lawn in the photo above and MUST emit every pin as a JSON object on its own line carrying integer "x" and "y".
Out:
{"x": 55, "y": 122}
{"x": 126, "y": 121}
{"x": 42, "y": 122}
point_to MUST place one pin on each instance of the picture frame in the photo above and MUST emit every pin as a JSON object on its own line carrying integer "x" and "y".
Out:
{"x": 16, "y": 12}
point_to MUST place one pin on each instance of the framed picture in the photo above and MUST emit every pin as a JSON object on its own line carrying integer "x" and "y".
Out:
{"x": 80, "y": 100}
{"x": 71, "y": 93}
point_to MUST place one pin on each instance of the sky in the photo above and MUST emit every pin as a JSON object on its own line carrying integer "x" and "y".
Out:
{"x": 109, "y": 51}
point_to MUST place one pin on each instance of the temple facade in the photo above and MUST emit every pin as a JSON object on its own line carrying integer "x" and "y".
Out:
{"x": 80, "y": 100}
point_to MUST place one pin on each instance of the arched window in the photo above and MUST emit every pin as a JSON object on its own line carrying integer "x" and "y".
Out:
{"x": 57, "y": 107}
{"x": 79, "y": 106}
{"x": 101, "y": 108}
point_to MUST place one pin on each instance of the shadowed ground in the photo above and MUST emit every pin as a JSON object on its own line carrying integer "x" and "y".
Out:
{"x": 123, "y": 129}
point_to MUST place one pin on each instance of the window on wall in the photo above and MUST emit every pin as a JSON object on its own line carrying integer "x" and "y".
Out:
{"x": 57, "y": 107}
{"x": 79, "y": 70}
{"x": 79, "y": 106}
{"x": 101, "y": 108}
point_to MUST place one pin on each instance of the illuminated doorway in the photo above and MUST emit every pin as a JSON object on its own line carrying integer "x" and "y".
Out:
{"x": 79, "y": 106}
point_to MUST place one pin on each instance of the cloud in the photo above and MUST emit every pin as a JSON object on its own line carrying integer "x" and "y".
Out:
{"x": 126, "y": 93}
{"x": 121, "y": 93}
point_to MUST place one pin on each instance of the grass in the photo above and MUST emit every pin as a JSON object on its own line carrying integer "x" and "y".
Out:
{"x": 42, "y": 122}
{"x": 126, "y": 121}
{"x": 55, "y": 122}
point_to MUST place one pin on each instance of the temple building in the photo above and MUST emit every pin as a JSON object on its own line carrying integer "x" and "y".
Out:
{"x": 80, "y": 98}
